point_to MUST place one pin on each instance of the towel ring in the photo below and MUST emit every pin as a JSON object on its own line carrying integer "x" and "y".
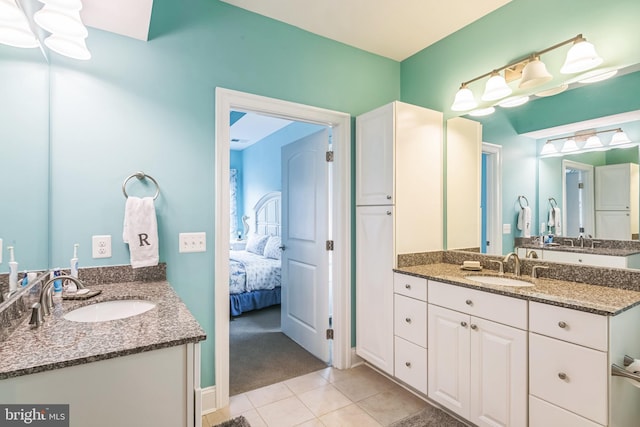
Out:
{"x": 520, "y": 201}
{"x": 140, "y": 176}
{"x": 553, "y": 202}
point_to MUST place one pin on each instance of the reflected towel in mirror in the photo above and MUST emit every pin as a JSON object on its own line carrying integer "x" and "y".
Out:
{"x": 524, "y": 221}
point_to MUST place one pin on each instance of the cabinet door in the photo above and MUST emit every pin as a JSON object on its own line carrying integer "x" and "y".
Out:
{"x": 374, "y": 285}
{"x": 498, "y": 374}
{"x": 613, "y": 225}
{"x": 374, "y": 157}
{"x": 613, "y": 187}
{"x": 448, "y": 359}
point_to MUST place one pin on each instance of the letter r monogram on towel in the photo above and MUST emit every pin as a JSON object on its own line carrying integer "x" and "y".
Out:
{"x": 143, "y": 239}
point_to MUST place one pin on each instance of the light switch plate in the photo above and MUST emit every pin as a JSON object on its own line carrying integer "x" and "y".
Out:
{"x": 101, "y": 246}
{"x": 192, "y": 242}
{"x": 506, "y": 228}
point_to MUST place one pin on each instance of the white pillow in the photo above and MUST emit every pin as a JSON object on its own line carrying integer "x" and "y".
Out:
{"x": 272, "y": 249}
{"x": 256, "y": 243}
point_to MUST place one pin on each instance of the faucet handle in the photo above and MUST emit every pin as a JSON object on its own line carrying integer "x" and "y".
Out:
{"x": 36, "y": 315}
{"x": 500, "y": 266}
{"x": 535, "y": 268}
{"x": 594, "y": 243}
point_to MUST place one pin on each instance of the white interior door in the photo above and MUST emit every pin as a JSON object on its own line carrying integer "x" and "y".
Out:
{"x": 305, "y": 230}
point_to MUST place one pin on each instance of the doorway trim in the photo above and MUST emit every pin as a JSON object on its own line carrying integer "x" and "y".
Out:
{"x": 494, "y": 196}
{"x": 227, "y": 100}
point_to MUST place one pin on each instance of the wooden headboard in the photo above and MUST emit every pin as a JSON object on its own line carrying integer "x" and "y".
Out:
{"x": 267, "y": 214}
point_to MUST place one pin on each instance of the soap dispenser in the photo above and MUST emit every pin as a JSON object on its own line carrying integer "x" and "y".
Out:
{"x": 70, "y": 286}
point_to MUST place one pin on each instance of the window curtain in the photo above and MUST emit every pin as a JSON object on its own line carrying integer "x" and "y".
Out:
{"x": 233, "y": 187}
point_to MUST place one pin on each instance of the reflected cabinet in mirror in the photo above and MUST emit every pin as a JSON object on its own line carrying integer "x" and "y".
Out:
{"x": 24, "y": 163}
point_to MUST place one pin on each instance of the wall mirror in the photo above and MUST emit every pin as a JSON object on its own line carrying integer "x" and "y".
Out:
{"x": 24, "y": 163}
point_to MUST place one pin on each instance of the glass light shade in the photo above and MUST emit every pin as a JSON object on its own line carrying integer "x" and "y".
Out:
{"x": 9, "y": 12}
{"x": 569, "y": 146}
{"x": 515, "y": 101}
{"x": 581, "y": 57}
{"x": 553, "y": 91}
{"x": 464, "y": 100}
{"x": 593, "y": 142}
{"x": 482, "y": 112}
{"x": 18, "y": 37}
{"x": 75, "y": 48}
{"x": 620, "y": 137}
{"x": 597, "y": 76}
{"x": 61, "y": 22}
{"x": 548, "y": 148}
{"x": 496, "y": 88}
{"x": 534, "y": 74}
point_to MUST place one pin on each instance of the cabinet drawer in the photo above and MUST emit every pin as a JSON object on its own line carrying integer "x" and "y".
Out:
{"x": 574, "y": 326}
{"x": 544, "y": 414}
{"x": 570, "y": 376}
{"x": 410, "y": 319}
{"x": 499, "y": 308}
{"x": 411, "y": 286}
{"x": 411, "y": 364}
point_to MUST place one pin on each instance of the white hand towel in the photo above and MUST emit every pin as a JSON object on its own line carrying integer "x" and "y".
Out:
{"x": 557, "y": 216}
{"x": 140, "y": 231}
{"x": 524, "y": 221}
{"x": 551, "y": 221}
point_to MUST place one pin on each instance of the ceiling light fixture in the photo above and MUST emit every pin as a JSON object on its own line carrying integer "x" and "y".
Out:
{"x": 531, "y": 70}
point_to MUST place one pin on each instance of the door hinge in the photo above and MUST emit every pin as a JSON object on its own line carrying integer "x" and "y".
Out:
{"x": 329, "y": 245}
{"x": 581, "y": 185}
{"x": 329, "y": 334}
{"x": 329, "y": 156}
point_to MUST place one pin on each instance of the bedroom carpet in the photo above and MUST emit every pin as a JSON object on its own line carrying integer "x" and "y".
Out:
{"x": 261, "y": 355}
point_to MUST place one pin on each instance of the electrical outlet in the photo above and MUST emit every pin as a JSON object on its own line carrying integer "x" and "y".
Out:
{"x": 193, "y": 242}
{"x": 101, "y": 246}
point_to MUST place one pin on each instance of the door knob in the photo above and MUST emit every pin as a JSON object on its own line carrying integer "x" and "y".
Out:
{"x": 282, "y": 247}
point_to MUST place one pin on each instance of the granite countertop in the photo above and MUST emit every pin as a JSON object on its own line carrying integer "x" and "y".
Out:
{"x": 596, "y": 299}
{"x": 585, "y": 250}
{"x": 59, "y": 343}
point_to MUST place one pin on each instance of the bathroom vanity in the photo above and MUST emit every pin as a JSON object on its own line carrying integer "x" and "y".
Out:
{"x": 139, "y": 370}
{"x": 535, "y": 355}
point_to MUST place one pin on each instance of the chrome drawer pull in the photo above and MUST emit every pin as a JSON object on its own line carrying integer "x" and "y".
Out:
{"x": 469, "y": 302}
{"x": 388, "y": 197}
{"x": 474, "y": 327}
{"x": 407, "y": 286}
{"x": 562, "y": 324}
{"x": 408, "y": 320}
{"x": 463, "y": 324}
{"x": 407, "y": 364}
{"x": 562, "y": 376}
{"x": 388, "y": 212}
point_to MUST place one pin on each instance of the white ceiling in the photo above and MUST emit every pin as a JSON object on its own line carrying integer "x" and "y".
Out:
{"x": 394, "y": 29}
{"x": 253, "y": 127}
{"x": 129, "y": 18}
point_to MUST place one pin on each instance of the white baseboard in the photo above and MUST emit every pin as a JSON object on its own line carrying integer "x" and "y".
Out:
{"x": 355, "y": 359}
{"x": 208, "y": 396}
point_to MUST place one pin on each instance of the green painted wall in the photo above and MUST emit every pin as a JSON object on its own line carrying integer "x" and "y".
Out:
{"x": 150, "y": 106}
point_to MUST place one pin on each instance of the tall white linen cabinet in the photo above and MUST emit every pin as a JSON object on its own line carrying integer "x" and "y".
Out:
{"x": 398, "y": 210}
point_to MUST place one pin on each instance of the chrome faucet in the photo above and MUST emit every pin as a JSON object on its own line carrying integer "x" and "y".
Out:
{"x": 581, "y": 240}
{"x": 45, "y": 299}
{"x": 516, "y": 260}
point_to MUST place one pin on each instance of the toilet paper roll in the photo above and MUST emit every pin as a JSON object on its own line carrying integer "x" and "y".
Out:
{"x": 634, "y": 368}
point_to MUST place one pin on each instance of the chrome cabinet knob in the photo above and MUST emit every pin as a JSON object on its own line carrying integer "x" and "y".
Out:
{"x": 388, "y": 212}
{"x": 407, "y": 286}
{"x": 469, "y": 302}
{"x": 562, "y": 376}
{"x": 562, "y": 324}
{"x": 388, "y": 197}
{"x": 474, "y": 327}
{"x": 408, "y": 320}
{"x": 407, "y": 364}
{"x": 463, "y": 324}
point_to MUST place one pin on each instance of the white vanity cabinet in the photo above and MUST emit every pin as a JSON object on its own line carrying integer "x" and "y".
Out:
{"x": 399, "y": 210}
{"x": 570, "y": 356}
{"x": 477, "y": 354}
{"x": 410, "y": 330}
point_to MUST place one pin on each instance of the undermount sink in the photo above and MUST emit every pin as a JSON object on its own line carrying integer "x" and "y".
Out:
{"x": 499, "y": 280}
{"x": 109, "y": 310}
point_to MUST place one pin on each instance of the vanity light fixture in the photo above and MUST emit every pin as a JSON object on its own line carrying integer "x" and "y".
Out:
{"x": 531, "y": 71}
{"x": 592, "y": 142}
{"x": 14, "y": 27}
{"x": 61, "y": 18}
{"x": 553, "y": 91}
{"x": 597, "y": 76}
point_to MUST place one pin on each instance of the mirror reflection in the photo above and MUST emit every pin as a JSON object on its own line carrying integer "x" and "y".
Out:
{"x": 24, "y": 164}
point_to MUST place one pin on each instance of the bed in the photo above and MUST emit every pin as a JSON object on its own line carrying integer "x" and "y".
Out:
{"x": 254, "y": 273}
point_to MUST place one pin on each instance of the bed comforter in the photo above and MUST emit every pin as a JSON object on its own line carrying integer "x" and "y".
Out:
{"x": 249, "y": 272}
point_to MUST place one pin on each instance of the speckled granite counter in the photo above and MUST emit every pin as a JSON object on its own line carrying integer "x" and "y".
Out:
{"x": 591, "y": 298}
{"x": 59, "y": 343}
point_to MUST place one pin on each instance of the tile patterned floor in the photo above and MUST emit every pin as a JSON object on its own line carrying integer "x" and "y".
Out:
{"x": 355, "y": 397}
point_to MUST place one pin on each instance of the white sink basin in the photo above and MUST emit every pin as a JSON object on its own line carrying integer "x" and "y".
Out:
{"x": 109, "y": 310}
{"x": 499, "y": 280}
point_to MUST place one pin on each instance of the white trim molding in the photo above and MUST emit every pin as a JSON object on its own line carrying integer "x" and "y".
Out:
{"x": 226, "y": 101}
